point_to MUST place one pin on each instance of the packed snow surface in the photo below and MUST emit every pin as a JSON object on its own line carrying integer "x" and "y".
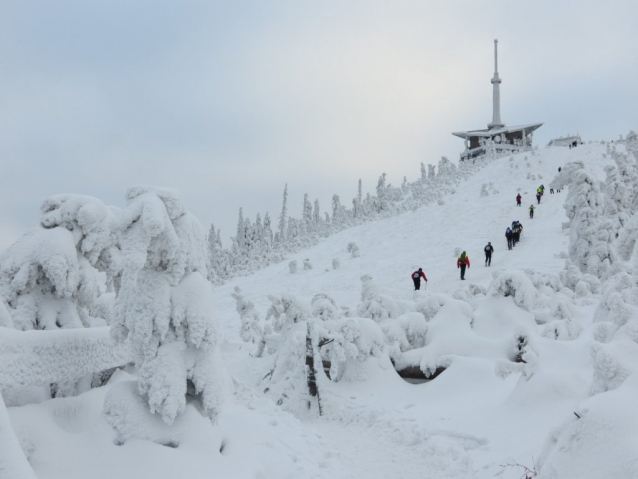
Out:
{"x": 537, "y": 375}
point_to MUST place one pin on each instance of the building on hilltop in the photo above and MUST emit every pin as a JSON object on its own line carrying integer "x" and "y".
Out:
{"x": 498, "y": 138}
{"x": 570, "y": 140}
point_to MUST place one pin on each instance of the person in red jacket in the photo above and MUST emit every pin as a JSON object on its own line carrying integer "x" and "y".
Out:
{"x": 518, "y": 199}
{"x": 463, "y": 262}
{"x": 416, "y": 277}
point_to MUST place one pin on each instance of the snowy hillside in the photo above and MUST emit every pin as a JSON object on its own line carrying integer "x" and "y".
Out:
{"x": 535, "y": 353}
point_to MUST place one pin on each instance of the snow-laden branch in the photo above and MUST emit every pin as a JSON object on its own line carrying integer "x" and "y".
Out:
{"x": 44, "y": 357}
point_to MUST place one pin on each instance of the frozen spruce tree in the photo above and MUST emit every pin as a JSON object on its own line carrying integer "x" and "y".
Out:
{"x": 215, "y": 255}
{"x": 353, "y": 249}
{"x": 338, "y": 214}
{"x": 165, "y": 304}
{"x": 382, "y": 194}
{"x": 49, "y": 277}
{"x": 617, "y": 202}
{"x": 251, "y": 330}
{"x": 283, "y": 216}
{"x": 292, "y": 266}
{"x": 307, "y": 215}
{"x": 591, "y": 234}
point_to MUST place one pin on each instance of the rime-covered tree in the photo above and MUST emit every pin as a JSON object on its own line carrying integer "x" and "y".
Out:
{"x": 591, "y": 235}
{"x": 616, "y": 199}
{"x": 267, "y": 237}
{"x": 283, "y": 216}
{"x": 49, "y": 277}
{"x": 165, "y": 303}
{"x": 307, "y": 215}
{"x": 215, "y": 254}
{"x": 382, "y": 203}
{"x": 338, "y": 217}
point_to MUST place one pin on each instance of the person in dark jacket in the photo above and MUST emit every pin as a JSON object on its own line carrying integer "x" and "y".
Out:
{"x": 510, "y": 237}
{"x": 462, "y": 262}
{"x": 416, "y": 277}
{"x": 489, "y": 249}
{"x": 538, "y": 197}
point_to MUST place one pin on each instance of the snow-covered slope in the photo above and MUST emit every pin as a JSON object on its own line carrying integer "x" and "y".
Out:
{"x": 482, "y": 413}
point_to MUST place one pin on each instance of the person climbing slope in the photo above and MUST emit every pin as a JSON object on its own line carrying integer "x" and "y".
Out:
{"x": 518, "y": 199}
{"x": 510, "y": 237}
{"x": 538, "y": 197}
{"x": 462, "y": 262}
{"x": 416, "y": 277}
{"x": 531, "y": 212}
{"x": 489, "y": 249}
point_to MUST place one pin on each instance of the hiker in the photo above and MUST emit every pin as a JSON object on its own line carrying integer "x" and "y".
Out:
{"x": 542, "y": 189}
{"x": 531, "y": 212}
{"x": 510, "y": 237}
{"x": 538, "y": 197}
{"x": 416, "y": 277}
{"x": 518, "y": 199}
{"x": 462, "y": 262}
{"x": 551, "y": 191}
{"x": 489, "y": 249}
{"x": 559, "y": 169}
{"x": 516, "y": 232}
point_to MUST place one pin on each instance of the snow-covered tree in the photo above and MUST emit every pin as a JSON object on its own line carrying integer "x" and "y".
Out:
{"x": 292, "y": 266}
{"x": 307, "y": 213}
{"x": 353, "y": 249}
{"x": 45, "y": 283}
{"x": 286, "y": 309}
{"x": 165, "y": 303}
{"x": 338, "y": 216}
{"x": 283, "y": 216}
{"x": 251, "y": 330}
{"x": 382, "y": 202}
{"x": 268, "y": 235}
{"x": 49, "y": 277}
{"x": 374, "y": 304}
{"x": 617, "y": 204}
{"x": 324, "y": 307}
{"x": 215, "y": 254}
{"x": 590, "y": 234}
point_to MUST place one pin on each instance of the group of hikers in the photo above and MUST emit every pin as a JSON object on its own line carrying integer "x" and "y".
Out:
{"x": 512, "y": 234}
{"x": 462, "y": 263}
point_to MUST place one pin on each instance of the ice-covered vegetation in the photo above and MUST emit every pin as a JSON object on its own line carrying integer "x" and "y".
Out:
{"x": 142, "y": 270}
{"x": 255, "y": 246}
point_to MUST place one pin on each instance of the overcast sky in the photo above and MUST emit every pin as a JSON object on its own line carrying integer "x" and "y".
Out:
{"x": 228, "y": 101}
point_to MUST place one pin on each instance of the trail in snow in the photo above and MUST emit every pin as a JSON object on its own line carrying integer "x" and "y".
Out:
{"x": 390, "y": 250}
